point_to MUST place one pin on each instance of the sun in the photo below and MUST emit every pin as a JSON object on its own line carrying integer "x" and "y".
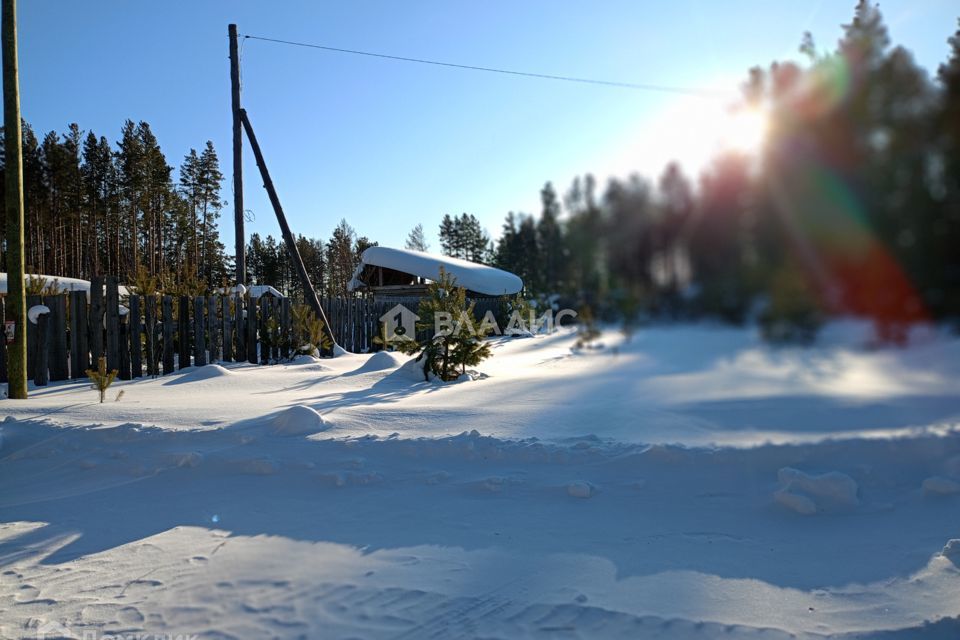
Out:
{"x": 690, "y": 130}
{"x": 742, "y": 129}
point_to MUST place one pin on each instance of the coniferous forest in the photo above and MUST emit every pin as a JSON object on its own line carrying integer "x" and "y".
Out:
{"x": 852, "y": 207}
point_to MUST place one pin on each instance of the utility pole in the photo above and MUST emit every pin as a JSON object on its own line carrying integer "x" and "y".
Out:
{"x": 13, "y": 148}
{"x": 308, "y": 291}
{"x": 239, "y": 235}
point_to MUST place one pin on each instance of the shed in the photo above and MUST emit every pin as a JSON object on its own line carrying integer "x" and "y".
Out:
{"x": 387, "y": 272}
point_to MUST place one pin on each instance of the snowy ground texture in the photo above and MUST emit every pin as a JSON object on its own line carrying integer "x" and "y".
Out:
{"x": 692, "y": 483}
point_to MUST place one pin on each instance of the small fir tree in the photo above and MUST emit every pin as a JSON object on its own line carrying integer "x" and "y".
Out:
{"x": 459, "y": 346}
{"x": 101, "y": 379}
{"x": 311, "y": 330}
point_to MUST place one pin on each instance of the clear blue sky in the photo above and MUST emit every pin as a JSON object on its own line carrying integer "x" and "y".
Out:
{"x": 388, "y": 144}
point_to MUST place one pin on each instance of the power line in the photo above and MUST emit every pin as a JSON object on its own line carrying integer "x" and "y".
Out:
{"x": 704, "y": 93}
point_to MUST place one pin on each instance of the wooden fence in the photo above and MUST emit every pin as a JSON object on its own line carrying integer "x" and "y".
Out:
{"x": 156, "y": 335}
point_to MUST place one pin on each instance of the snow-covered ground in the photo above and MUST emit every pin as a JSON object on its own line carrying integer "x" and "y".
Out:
{"x": 689, "y": 483}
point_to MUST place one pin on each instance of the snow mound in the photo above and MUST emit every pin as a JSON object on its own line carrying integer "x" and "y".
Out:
{"x": 339, "y": 351}
{"x": 806, "y": 494}
{"x": 940, "y": 486}
{"x": 380, "y": 361}
{"x": 411, "y": 370}
{"x": 796, "y": 502}
{"x": 184, "y": 459}
{"x": 298, "y": 420}
{"x": 199, "y": 374}
{"x": 580, "y": 489}
{"x": 304, "y": 359}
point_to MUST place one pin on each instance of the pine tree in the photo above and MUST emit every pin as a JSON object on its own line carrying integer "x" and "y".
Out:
{"x": 341, "y": 259}
{"x": 550, "y": 241}
{"x": 416, "y": 241}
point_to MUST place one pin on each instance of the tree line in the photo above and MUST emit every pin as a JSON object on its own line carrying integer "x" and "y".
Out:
{"x": 852, "y": 207}
{"x": 92, "y": 207}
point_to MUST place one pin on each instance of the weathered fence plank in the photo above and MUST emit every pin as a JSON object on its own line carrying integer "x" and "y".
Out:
{"x": 167, "y": 311}
{"x": 213, "y": 329}
{"x": 112, "y": 312}
{"x": 95, "y": 324}
{"x": 150, "y": 329}
{"x": 79, "y": 347}
{"x": 264, "y": 354}
{"x": 226, "y": 319}
{"x": 3, "y": 342}
{"x": 239, "y": 330}
{"x": 285, "y": 319}
{"x": 123, "y": 369}
{"x": 40, "y": 371}
{"x": 251, "y": 330}
{"x": 32, "y": 301}
{"x": 57, "y": 328}
{"x": 134, "y": 328}
{"x": 199, "y": 329}
{"x": 183, "y": 332}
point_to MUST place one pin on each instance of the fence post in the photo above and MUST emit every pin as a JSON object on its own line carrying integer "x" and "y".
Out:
{"x": 167, "y": 311}
{"x": 199, "y": 343}
{"x": 150, "y": 327}
{"x": 112, "y": 303}
{"x": 133, "y": 329}
{"x": 57, "y": 328}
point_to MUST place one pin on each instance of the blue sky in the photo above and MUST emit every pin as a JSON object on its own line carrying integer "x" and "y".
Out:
{"x": 388, "y": 144}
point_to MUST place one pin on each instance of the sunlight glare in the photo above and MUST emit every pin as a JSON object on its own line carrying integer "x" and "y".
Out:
{"x": 743, "y": 130}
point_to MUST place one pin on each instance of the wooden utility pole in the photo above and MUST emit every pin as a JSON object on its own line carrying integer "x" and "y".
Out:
{"x": 13, "y": 148}
{"x": 239, "y": 236}
{"x": 308, "y": 291}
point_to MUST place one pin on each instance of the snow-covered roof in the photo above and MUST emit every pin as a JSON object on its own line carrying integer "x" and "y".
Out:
{"x": 469, "y": 275}
{"x": 64, "y": 284}
{"x": 257, "y": 290}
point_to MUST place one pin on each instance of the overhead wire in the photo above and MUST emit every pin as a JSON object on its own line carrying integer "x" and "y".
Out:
{"x": 662, "y": 88}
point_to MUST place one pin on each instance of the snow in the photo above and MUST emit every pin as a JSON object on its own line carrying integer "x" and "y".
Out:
{"x": 37, "y": 310}
{"x": 381, "y": 361}
{"x": 298, "y": 420}
{"x": 64, "y": 284}
{"x": 938, "y": 485}
{"x": 258, "y": 290}
{"x": 469, "y": 275}
{"x": 632, "y": 491}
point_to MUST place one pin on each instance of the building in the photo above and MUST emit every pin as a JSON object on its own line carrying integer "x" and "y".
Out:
{"x": 402, "y": 273}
